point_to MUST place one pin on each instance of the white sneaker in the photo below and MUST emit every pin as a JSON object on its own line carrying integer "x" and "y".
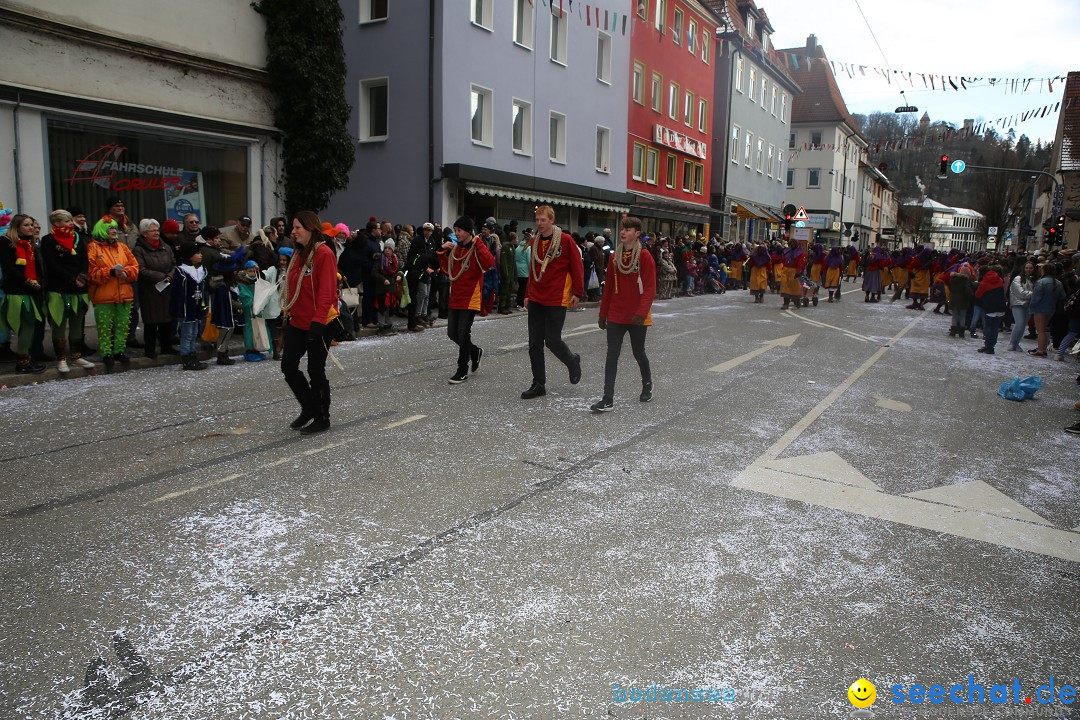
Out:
{"x": 62, "y": 366}
{"x": 83, "y": 363}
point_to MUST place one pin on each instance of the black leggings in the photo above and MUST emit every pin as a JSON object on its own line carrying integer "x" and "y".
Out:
{"x": 545, "y": 328}
{"x": 297, "y": 344}
{"x": 459, "y": 329}
{"x": 615, "y": 332}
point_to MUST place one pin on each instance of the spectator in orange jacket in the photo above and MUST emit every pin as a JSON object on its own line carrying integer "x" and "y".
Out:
{"x": 113, "y": 272}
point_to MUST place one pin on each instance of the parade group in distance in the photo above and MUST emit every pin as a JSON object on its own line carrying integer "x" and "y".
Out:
{"x": 296, "y": 290}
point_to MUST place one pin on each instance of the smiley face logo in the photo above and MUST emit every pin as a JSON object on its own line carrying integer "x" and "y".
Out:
{"x": 862, "y": 693}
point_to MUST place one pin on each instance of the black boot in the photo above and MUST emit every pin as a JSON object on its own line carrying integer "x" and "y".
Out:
{"x": 646, "y": 392}
{"x": 304, "y": 395}
{"x": 535, "y": 390}
{"x": 321, "y": 402}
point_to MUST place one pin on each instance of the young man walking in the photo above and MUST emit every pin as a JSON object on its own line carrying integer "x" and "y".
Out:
{"x": 626, "y": 307}
{"x": 556, "y": 282}
{"x": 464, "y": 264}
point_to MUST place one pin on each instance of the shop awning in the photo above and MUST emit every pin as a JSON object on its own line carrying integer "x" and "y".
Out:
{"x": 542, "y": 198}
{"x": 696, "y": 212}
{"x": 750, "y": 211}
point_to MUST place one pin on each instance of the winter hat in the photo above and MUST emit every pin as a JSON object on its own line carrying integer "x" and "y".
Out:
{"x": 329, "y": 230}
{"x": 286, "y": 251}
{"x": 232, "y": 262}
{"x": 465, "y": 223}
{"x": 343, "y": 228}
{"x": 428, "y": 226}
{"x": 110, "y": 201}
{"x": 170, "y": 226}
{"x": 491, "y": 223}
{"x": 187, "y": 251}
{"x": 250, "y": 264}
{"x": 75, "y": 210}
{"x": 389, "y": 244}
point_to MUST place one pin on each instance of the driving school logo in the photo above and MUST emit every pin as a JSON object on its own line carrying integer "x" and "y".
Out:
{"x": 100, "y": 168}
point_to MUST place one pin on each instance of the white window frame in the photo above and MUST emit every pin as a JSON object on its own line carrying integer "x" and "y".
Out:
{"x": 637, "y": 83}
{"x": 779, "y": 164}
{"x": 688, "y": 108}
{"x": 774, "y": 94}
{"x": 792, "y": 137}
{"x": 790, "y": 178}
{"x": 673, "y": 101}
{"x": 706, "y": 55}
{"x": 761, "y": 155}
{"x": 560, "y": 139}
{"x": 487, "y": 124}
{"x": 643, "y": 9}
{"x": 691, "y": 36}
{"x": 525, "y": 16}
{"x": 687, "y": 176}
{"x": 820, "y": 138}
{"x": 603, "y": 149}
{"x": 487, "y": 12}
{"x": 810, "y": 175}
{"x": 656, "y": 88}
{"x": 748, "y": 149}
{"x": 739, "y": 73}
{"x": 699, "y": 179}
{"x": 764, "y": 93}
{"x": 702, "y": 114}
{"x": 750, "y": 26}
{"x": 558, "y": 41}
{"x": 527, "y": 126}
{"x": 671, "y": 170}
{"x": 783, "y": 107}
{"x": 366, "y": 7}
{"x": 364, "y": 110}
{"x": 772, "y": 155}
{"x": 677, "y": 26}
{"x": 652, "y": 166}
{"x": 736, "y": 136}
{"x": 753, "y": 85}
{"x": 637, "y": 162}
{"x": 603, "y": 57}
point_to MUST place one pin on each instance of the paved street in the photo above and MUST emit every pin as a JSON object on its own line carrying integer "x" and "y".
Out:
{"x": 853, "y": 500}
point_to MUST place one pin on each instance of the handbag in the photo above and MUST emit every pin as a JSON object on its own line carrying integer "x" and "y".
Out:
{"x": 351, "y": 296}
{"x": 259, "y": 337}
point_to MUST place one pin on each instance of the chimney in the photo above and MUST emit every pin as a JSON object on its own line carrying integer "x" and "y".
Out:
{"x": 811, "y": 45}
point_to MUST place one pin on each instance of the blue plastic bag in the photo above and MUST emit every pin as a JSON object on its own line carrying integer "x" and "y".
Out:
{"x": 1020, "y": 390}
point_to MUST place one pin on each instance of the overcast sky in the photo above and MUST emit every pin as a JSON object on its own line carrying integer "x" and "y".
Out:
{"x": 984, "y": 38}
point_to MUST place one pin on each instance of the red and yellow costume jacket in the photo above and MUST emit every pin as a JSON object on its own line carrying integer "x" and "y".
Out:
{"x": 564, "y": 276}
{"x": 629, "y": 294}
{"x": 466, "y": 265}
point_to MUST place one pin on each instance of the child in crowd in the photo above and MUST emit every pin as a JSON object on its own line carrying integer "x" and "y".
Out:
{"x": 385, "y": 274}
{"x": 188, "y": 289}
{"x": 226, "y": 312}
{"x": 255, "y": 334}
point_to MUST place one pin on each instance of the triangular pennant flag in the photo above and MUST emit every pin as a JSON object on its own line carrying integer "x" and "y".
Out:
{"x": 795, "y": 61}
{"x": 954, "y": 87}
{"x": 588, "y": 16}
{"x": 624, "y": 24}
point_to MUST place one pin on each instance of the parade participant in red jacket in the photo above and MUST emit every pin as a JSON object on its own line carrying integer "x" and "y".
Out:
{"x": 626, "y": 308}
{"x": 465, "y": 264}
{"x": 556, "y": 281}
{"x": 309, "y": 299}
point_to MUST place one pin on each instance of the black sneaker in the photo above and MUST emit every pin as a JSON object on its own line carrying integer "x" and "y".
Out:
{"x": 1074, "y": 429}
{"x": 32, "y": 367}
{"x": 121, "y": 357}
{"x": 575, "y": 370}
{"x": 459, "y": 377}
{"x": 986, "y": 350}
{"x": 602, "y": 405}
{"x": 646, "y": 393}
{"x": 476, "y": 358}
{"x": 535, "y": 390}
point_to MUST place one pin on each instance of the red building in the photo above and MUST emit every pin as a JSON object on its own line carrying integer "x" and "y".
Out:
{"x": 670, "y": 115}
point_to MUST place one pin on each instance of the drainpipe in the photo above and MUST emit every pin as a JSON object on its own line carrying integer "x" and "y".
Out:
{"x": 15, "y": 157}
{"x": 431, "y": 112}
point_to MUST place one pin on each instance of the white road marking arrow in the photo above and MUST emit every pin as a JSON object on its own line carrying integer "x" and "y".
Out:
{"x": 736, "y": 362}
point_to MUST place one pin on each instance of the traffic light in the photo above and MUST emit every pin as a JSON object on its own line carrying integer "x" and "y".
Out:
{"x": 1060, "y": 225}
{"x": 788, "y": 221}
{"x": 944, "y": 164}
{"x": 1053, "y": 235}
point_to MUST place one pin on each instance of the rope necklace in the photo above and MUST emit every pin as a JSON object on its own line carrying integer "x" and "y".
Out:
{"x": 632, "y": 267}
{"x": 288, "y": 303}
{"x": 464, "y": 264}
{"x": 554, "y": 249}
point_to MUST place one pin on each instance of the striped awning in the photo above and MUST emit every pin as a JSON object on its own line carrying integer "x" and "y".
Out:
{"x": 542, "y": 198}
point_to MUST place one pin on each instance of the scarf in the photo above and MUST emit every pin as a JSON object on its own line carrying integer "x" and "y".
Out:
{"x": 24, "y": 257}
{"x": 152, "y": 243}
{"x": 835, "y": 259}
{"x": 554, "y": 248}
{"x": 65, "y": 238}
{"x": 628, "y": 262}
{"x": 389, "y": 264}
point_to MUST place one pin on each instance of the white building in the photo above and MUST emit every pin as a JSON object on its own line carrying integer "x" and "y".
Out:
{"x": 946, "y": 227}
{"x": 166, "y": 106}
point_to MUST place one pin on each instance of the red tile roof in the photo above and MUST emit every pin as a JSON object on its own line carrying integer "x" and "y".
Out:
{"x": 1070, "y": 120}
{"x": 734, "y": 9}
{"x": 820, "y": 101}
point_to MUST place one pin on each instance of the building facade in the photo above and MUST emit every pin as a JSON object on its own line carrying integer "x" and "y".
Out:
{"x": 671, "y": 113}
{"x": 947, "y": 228}
{"x": 753, "y": 120}
{"x": 97, "y": 106}
{"x": 480, "y": 112}
{"x": 825, "y": 148}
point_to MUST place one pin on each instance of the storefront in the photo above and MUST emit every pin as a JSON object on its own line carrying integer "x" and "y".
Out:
{"x": 572, "y": 214}
{"x": 666, "y": 217}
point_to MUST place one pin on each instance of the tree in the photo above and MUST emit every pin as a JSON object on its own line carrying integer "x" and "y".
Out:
{"x": 306, "y": 64}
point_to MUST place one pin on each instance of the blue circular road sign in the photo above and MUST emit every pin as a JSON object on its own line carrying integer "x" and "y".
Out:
{"x": 800, "y": 224}
{"x": 958, "y": 166}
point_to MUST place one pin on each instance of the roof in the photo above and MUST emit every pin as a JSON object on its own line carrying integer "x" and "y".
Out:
{"x": 732, "y": 10}
{"x": 1070, "y": 121}
{"x": 967, "y": 212}
{"x": 820, "y": 101}
{"x": 932, "y": 205}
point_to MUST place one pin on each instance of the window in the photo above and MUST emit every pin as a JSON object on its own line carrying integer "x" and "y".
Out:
{"x": 772, "y": 108}
{"x": 748, "y": 149}
{"x": 779, "y": 165}
{"x": 791, "y": 141}
{"x": 639, "y": 83}
{"x": 734, "y": 151}
{"x": 691, "y": 37}
{"x": 791, "y": 178}
{"x": 374, "y": 109}
{"x": 480, "y": 109}
{"x": 374, "y": 10}
{"x": 764, "y": 93}
{"x": 558, "y": 38}
{"x": 661, "y": 15}
{"x": 657, "y": 96}
{"x": 813, "y": 178}
{"x": 750, "y": 26}
{"x": 783, "y": 107}
{"x": 702, "y": 114}
{"x": 705, "y": 47}
{"x": 738, "y": 74}
{"x": 772, "y": 153}
{"x": 480, "y": 13}
{"x": 765, "y": 39}
{"x": 753, "y": 84}
{"x": 688, "y": 108}
{"x": 651, "y": 166}
{"x": 603, "y": 57}
{"x": 524, "y": 21}
{"x": 603, "y": 149}
{"x": 643, "y": 9}
{"x": 557, "y": 137}
{"x": 699, "y": 179}
{"x": 669, "y": 176}
{"x": 760, "y": 155}
{"x": 638, "y": 169}
{"x": 815, "y": 138}
{"x": 676, "y": 27}
{"x": 673, "y": 101}
{"x": 687, "y": 176}
{"x": 522, "y": 127}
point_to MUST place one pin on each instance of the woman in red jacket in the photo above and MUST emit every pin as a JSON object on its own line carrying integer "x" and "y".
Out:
{"x": 309, "y": 301}
{"x": 626, "y": 308}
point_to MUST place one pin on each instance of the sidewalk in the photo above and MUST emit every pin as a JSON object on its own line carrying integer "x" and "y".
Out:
{"x": 10, "y": 379}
